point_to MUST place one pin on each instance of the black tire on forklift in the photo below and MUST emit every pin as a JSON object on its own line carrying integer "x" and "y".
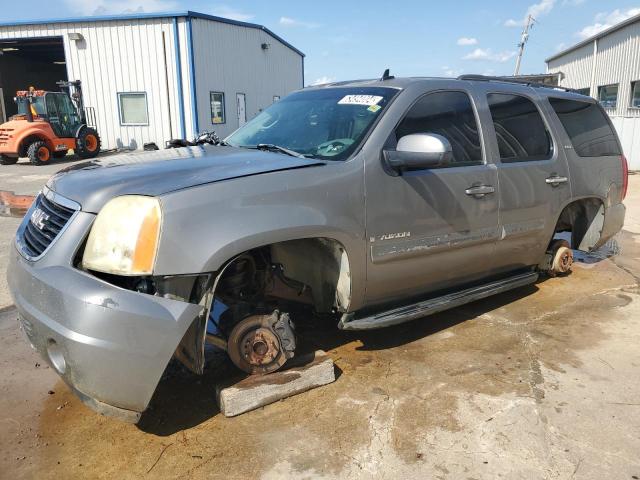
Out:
{"x": 88, "y": 143}
{"x": 39, "y": 153}
{"x": 5, "y": 160}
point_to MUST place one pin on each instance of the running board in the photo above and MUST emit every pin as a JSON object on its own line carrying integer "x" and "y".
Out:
{"x": 435, "y": 305}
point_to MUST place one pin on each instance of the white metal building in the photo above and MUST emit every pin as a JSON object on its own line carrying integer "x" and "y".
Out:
{"x": 152, "y": 77}
{"x": 607, "y": 67}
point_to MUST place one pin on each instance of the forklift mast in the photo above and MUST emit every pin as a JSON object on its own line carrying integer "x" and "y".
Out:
{"x": 74, "y": 89}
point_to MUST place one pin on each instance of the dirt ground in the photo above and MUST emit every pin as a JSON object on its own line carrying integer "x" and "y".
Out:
{"x": 541, "y": 382}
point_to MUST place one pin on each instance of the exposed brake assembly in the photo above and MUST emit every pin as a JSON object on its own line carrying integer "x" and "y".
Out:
{"x": 261, "y": 344}
{"x": 558, "y": 259}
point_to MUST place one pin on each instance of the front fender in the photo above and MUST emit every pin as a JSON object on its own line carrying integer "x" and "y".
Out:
{"x": 205, "y": 226}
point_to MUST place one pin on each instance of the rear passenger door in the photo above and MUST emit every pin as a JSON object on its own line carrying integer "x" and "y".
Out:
{"x": 533, "y": 177}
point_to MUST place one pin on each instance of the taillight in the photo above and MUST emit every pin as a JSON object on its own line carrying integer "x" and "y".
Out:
{"x": 625, "y": 176}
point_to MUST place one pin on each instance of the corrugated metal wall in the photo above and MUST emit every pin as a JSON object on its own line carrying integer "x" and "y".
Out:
{"x": 119, "y": 56}
{"x": 128, "y": 56}
{"x": 230, "y": 59}
{"x": 617, "y": 61}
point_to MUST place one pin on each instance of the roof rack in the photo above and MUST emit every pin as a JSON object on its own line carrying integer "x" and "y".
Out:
{"x": 485, "y": 78}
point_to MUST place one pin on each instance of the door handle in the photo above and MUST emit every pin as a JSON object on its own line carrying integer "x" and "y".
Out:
{"x": 480, "y": 191}
{"x": 555, "y": 180}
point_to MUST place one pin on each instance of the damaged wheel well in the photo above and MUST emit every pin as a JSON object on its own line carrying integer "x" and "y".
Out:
{"x": 309, "y": 270}
{"x": 584, "y": 219}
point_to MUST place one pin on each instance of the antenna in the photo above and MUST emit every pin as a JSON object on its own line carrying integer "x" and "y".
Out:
{"x": 386, "y": 76}
{"x": 523, "y": 40}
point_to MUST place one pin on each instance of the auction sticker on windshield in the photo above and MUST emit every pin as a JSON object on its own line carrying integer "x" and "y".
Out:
{"x": 365, "y": 100}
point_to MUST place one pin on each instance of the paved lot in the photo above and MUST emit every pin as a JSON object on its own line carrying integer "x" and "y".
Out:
{"x": 541, "y": 382}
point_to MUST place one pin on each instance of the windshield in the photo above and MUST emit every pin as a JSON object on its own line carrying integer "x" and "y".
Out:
{"x": 38, "y": 105}
{"x": 326, "y": 123}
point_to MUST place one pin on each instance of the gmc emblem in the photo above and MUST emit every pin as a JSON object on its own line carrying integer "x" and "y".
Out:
{"x": 38, "y": 217}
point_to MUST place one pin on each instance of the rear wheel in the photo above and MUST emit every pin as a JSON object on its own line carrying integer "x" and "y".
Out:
{"x": 5, "y": 160}
{"x": 88, "y": 143}
{"x": 39, "y": 153}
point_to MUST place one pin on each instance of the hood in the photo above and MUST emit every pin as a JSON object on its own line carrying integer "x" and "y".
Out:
{"x": 93, "y": 183}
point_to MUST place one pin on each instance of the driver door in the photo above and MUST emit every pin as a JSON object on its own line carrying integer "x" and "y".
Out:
{"x": 426, "y": 229}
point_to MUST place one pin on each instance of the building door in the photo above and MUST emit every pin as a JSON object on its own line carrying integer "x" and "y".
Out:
{"x": 435, "y": 228}
{"x": 3, "y": 111}
{"x": 241, "y": 103}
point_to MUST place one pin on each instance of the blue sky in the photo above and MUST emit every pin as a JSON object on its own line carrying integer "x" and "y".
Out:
{"x": 344, "y": 40}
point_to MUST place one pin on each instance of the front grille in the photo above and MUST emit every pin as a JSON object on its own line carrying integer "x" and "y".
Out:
{"x": 47, "y": 219}
{"x": 5, "y": 134}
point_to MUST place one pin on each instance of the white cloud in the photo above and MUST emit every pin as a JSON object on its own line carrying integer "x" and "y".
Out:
{"x": 451, "y": 72}
{"x": 561, "y": 46}
{"x": 322, "y": 80}
{"x": 488, "y": 55}
{"x": 536, "y": 10}
{"x": 117, "y": 7}
{"x": 572, "y": 3}
{"x": 232, "y": 13}
{"x": 605, "y": 20}
{"x": 467, "y": 41}
{"x": 292, "y": 22}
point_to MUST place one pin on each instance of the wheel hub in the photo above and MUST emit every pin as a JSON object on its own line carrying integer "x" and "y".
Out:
{"x": 261, "y": 344}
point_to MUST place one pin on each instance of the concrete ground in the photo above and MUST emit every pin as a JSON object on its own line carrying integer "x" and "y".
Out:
{"x": 541, "y": 382}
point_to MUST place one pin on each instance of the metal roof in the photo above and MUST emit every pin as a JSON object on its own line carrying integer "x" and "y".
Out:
{"x": 146, "y": 16}
{"x": 601, "y": 34}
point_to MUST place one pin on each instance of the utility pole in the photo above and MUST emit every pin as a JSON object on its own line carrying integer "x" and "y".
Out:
{"x": 523, "y": 40}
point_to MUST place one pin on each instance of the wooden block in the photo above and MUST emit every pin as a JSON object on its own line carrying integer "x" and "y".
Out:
{"x": 302, "y": 374}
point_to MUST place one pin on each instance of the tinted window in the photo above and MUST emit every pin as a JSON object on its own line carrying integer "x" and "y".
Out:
{"x": 521, "y": 133}
{"x": 587, "y": 127}
{"x": 451, "y": 115}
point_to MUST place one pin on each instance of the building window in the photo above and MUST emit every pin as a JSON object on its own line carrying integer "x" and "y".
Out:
{"x": 133, "y": 108}
{"x": 608, "y": 96}
{"x": 584, "y": 91}
{"x": 217, "y": 107}
{"x": 276, "y": 98}
{"x": 635, "y": 94}
{"x": 520, "y": 130}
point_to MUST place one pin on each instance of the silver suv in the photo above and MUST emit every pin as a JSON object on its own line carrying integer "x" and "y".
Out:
{"x": 377, "y": 202}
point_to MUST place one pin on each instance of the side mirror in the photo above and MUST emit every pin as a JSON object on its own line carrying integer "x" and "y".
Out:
{"x": 418, "y": 151}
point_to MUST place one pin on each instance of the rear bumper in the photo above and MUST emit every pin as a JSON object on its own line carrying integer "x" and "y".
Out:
{"x": 110, "y": 345}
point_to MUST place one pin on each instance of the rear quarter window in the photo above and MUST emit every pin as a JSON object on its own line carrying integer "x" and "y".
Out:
{"x": 587, "y": 127}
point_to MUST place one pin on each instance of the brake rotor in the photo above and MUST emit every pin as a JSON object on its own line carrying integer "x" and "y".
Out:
{"x": 261, "y": 344}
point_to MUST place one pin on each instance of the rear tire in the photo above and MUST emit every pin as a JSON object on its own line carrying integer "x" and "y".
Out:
{"x": 88, "y": 143}
{"x": 39, "y": 153}
{"x": 5, "y": 160}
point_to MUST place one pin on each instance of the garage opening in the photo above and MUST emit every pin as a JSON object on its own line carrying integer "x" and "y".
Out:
{"x": 37, "y": 62}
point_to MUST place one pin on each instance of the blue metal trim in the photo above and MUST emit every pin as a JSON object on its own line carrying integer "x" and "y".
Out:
{"x": 146, "y": 16}
{"x": 176, "y": 43}
{"x": 192, "y": 75}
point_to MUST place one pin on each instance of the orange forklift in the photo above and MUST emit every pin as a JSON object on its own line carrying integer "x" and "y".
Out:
{"x": 48, "y": 125}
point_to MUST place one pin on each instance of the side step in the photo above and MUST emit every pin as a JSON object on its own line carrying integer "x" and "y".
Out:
{"x": 435, "y": 305}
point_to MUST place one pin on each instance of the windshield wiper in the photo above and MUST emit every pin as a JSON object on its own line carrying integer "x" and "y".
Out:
{"x": 270, "y": 147}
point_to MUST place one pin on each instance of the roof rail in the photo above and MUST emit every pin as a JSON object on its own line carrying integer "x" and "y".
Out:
{"x": 485, "y": 78}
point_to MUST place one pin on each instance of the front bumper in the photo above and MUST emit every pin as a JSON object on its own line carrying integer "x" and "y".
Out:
{"x": 110, "y": 345}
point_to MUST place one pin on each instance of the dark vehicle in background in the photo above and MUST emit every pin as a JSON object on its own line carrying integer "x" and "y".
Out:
{"x": 376, "y": 202}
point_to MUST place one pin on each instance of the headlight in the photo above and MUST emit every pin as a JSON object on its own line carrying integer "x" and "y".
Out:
{"x": 124, "y": 237}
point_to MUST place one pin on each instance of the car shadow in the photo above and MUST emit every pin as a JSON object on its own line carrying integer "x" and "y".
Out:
{"x": 184, "y": 400}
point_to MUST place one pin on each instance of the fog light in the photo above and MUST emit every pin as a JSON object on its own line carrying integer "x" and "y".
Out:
{"x": 56, "y": 356}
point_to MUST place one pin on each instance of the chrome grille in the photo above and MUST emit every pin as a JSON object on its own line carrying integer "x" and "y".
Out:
{"x": 46, "y": 220}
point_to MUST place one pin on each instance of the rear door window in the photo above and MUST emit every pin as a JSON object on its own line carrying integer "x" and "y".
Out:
{"x": 587, "y": 127}
{"x": 521, "y": 132}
